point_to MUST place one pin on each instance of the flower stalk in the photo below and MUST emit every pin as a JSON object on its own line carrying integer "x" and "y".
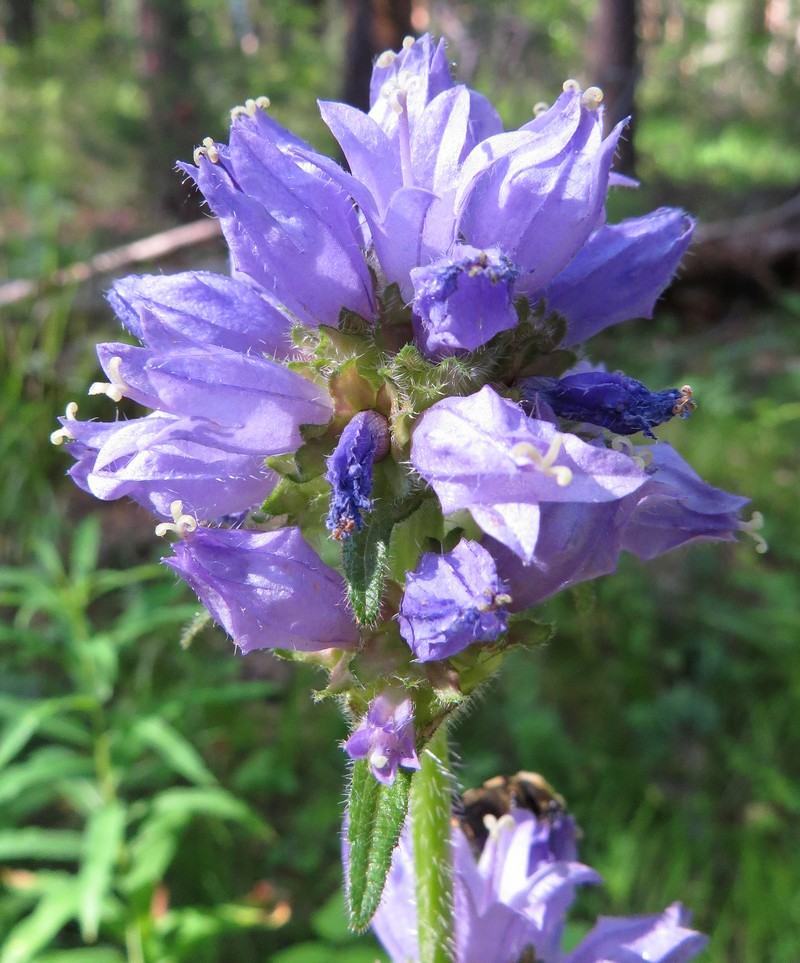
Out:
{"x": 431, "y": 794}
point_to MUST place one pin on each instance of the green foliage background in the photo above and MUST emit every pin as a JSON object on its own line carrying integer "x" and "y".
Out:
{"x": 162, "y": 801}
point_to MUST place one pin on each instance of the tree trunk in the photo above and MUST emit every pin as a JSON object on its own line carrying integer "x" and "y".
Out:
{"x": 20, "y": 21}
{"x": 615, "y": 69}
{"x": 372, "y": 27}
{"x": 174, "y": 102}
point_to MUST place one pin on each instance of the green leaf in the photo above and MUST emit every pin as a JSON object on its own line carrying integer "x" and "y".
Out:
{"x": 87, "y": 954}
{"x": 409, "y": 538}
{"x": 33, "y": 933}
{"x": 365, "y": 555}
{"x": 45, "y": 767}
{"x": 178, "y": 753}
{"x": 25, "y": 725}
{"x": 215, "y": 802}
{"x": 34, "y": 843}
{"x": 85, "y": 548}
{"x": 102, "y": 840}
{"x": 377, "y": 814}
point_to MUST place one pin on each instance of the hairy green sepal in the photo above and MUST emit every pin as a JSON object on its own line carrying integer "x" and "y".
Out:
{"x": 377, "y": 814}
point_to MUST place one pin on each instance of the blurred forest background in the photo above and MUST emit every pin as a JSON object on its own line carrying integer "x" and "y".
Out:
{"x": 162, "y": 800}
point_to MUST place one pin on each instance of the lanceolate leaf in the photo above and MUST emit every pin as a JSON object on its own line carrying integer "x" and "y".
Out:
{"x": 376, "y": 813}
{"x": 365, "y": 556}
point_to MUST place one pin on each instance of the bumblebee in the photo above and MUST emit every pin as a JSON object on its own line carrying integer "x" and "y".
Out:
{"x": 502, "y": 794}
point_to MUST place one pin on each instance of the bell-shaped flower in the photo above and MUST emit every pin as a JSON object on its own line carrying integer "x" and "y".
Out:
{"x": 538, "y": 193}
{"x": 515, "y": 898}
{"x": 462, "y": 301}
{"x": 482, "y": 453}
{"x": 386, "y": 737}
{"x": 291, "y": 230}
{"x": 619, "y": 273}
{"x": 676, "y": 507}
{"x": 610, "y": 400}
{"x": 577, "y": 541}
{"x": 268, "y": 590}
{"x": 364, "y": 440}
{"x": 451, "y": 601}
{"x": 238, "y": 403}
{"x": 151, "y": 461}
{"x": 200, "y": 308}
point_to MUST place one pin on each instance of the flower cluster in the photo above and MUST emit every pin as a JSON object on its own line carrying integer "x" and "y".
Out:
{"x": 511, "y": 902}
{"x": 377, "y": 444}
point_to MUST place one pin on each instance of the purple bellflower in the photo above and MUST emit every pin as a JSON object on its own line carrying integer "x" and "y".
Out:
{"x": 386, "y": 737}
{"x": 483, "y": 454}
{"x": 515, "y": 898}
{"x": 676, "y": 507}
{"x": 451, "y": 601}
{"x": 619, "y": 273}
{"x": 372, "y": 315}
{"x": 267, "y": 589}
{"x": 611, "y": 400}
{"x": 461, "y": 302}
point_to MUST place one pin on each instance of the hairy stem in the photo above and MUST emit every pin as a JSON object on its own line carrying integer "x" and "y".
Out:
{"x": 430, "y": 821}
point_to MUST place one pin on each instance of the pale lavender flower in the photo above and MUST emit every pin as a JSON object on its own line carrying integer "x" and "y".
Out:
{"x": 452, "y": 601}
{"x": 515, "y": 897}
{"x": 172, "y": 310}
{"x": 677, "y": 507}
{"x": 619, "y": 273}
{"x": 268, "y": 590}
{"x": 235, "y": 402}
{"x": 386, "y": 737}
{"x": 291, "y": 231}
{"x": 484, "y": 454}
{"x": 154, "y": 462}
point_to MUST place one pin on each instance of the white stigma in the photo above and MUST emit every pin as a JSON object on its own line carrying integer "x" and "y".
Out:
{"x": 209, "y": 150}
{"x": 378, "y": 759}
{"x": 181, "y": 524}
{"x": 495, "y": 826}
{"x": 249, "y": 109}
{"x": 641, "y": 456}
{"x": 397, "y": 89}
{"x": 116, "y": 389}
{"x": 571, "y": 86}
{"x": 408, "y": 42}
{"x": 540, "y": 108}
{"x": 386, "y": 59}
{"x": 524, "y": 453}
{"x": 591, "y": 98}
{"x": 60, "y": 435}
{"x": 753, "y": 529}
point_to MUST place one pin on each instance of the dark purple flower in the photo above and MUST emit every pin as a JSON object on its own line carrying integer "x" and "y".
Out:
{"x": 462, "y": 301}
{"x": 365, "y": 439}
{"x": 611, "y": 400}
{"x": 386, "y": 737}
{"x": 451, "y": 601}
{"x": 268, "y": 590}
{"x": 484, "y": 454}
{"x": 619, "y": 273}
{"x": 516, "y": 897}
